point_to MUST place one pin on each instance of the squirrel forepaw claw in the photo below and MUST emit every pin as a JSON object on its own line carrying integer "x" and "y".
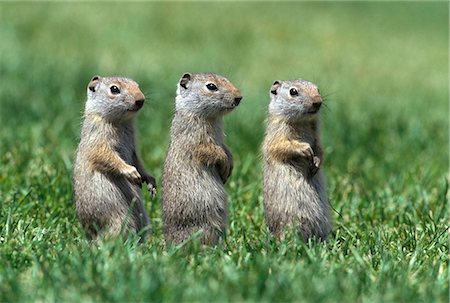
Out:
{"x": 133, "y": 175}
{"x": 151, "y": 184}
{"x": 314, "y": 165}
{"x": 151, "y": 189}
{"x": 305, "y": 150}
{"x": 316, "y": 162}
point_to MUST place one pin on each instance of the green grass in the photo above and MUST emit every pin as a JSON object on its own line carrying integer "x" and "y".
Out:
{"x": 384, "y": 70}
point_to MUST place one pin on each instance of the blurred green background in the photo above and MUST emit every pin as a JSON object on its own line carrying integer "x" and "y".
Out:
{"x": 383, "y": 70}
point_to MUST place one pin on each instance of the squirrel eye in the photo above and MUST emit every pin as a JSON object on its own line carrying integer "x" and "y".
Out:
{"x": 114, "y": 90}
{"x": 211, "y": 87}
{"x": 293, "y": 92}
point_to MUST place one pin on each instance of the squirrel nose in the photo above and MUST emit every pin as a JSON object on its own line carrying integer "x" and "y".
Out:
{"x": 139, "y": 102}
{"x": 237, "y": 100}
{"x": 317, "y": 105}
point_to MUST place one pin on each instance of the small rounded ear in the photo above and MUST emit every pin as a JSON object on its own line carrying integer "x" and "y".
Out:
{"x": 185, "y": 79}
{"x": 275, "y": 86}
{"x": 93, "y": 83}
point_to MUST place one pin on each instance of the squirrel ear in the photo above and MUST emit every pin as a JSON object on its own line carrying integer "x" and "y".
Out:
{"x": 184, "y": 80}
{"x": 93, "y": 83}
{"x": 275, "y": 86}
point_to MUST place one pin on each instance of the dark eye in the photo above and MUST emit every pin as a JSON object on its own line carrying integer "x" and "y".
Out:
{"x": 293, "y": 92}
{"x": 211, "y": 87}
{"x": 114, "y": 90}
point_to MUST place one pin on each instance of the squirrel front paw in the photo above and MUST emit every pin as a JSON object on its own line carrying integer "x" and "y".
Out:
{"x": 305, "y": 150}
{"x": 132, "y": 174}
{"x": 314, "y": 167}
{"x": 151, "y": 183}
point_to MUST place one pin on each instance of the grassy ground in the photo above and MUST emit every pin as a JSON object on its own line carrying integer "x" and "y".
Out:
{"x": 384, "y": 70}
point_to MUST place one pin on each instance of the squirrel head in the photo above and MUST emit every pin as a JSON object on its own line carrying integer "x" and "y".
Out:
{"x": 114, "y": 98}
{"x": 206, "y": 94}
{"x": 295, "y": 100}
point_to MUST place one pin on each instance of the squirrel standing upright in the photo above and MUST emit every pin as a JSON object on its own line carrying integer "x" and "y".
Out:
{"x": 294, "y": 184}
{"x": 107, "y": 171}
{"x": 198, "y": 162}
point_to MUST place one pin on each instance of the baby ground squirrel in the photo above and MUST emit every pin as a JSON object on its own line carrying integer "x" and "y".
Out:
{"x": 107, "y": 171}
{"x": 294, "y": 185}
{"x": 198, "y": 162}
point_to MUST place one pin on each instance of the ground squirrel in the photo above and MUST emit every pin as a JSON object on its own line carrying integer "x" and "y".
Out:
{"x": 107, "y": 171}
{"x": 294, "y": 185}
{"x": 198, "y": 162}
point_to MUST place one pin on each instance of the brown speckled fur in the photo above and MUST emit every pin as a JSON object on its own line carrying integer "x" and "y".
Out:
{"x": 198, "y": 162}
{"x": 294, "y": 184}
{"x": 107, "y": 172}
